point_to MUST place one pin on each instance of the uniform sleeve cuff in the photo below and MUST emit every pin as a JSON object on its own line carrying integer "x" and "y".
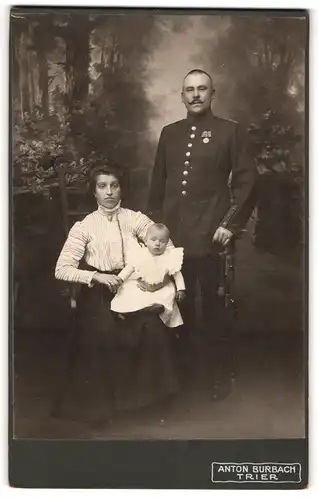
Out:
{"x": 230, "y": 214}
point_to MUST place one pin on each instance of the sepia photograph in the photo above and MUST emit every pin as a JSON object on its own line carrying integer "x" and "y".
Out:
{"x": 158, "y": 224}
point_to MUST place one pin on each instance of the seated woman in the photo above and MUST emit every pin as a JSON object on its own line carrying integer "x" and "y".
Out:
{"x": 119, "y": 364}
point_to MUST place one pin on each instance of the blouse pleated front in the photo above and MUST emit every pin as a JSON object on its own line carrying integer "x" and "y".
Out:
{"x": 102, "y": 241}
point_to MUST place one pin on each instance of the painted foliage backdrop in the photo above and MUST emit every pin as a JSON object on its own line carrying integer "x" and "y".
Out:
{"x": 87, "y": 85}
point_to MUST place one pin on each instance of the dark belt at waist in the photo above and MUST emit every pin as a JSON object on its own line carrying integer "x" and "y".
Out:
{"x": 87, "y": 267}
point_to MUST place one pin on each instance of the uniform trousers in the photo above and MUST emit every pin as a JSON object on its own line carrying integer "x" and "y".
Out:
{"x": 206, "y": 350}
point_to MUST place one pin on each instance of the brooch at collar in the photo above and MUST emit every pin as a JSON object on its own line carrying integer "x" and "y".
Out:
{"x": 206, "y": 136}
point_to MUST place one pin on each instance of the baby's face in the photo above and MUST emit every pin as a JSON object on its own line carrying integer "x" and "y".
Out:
{"x": 157, "y": 240}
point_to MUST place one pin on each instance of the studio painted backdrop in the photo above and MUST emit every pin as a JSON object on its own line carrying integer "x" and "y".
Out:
{"x": 89, "y": 84}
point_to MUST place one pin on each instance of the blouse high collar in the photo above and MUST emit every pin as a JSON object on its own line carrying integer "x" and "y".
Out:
{"x": 109, "y": 212}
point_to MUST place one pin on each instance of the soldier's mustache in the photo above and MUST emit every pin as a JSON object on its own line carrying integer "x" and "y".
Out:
{"x": 196, "y": 102}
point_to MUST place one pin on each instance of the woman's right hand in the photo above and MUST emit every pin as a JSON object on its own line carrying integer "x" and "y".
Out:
{"x": 112, "y": 281}
{"x": 146, "y": 287}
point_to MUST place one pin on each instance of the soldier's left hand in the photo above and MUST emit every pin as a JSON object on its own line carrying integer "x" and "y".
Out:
{"x": 222, "y": 236}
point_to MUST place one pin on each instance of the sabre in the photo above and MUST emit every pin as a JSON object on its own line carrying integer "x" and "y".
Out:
{"x": 226, "y": 281}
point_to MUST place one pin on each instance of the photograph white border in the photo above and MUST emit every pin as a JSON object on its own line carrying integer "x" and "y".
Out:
{"x": 8, "y": 492}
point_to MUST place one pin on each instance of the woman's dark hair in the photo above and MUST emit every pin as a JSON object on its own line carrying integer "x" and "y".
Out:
{"x": 107, "y": 167}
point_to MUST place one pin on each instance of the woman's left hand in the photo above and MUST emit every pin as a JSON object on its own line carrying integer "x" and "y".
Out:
{"x": 146, "y": 287}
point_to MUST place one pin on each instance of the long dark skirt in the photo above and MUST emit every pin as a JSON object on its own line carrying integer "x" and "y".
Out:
{"x": 117, "y": 364}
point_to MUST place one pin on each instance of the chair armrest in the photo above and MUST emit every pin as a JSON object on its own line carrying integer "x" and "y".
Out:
{"x": 74, "y": 289}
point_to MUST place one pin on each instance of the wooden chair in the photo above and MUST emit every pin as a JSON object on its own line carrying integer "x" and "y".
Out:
{"x": 70, "y": 214}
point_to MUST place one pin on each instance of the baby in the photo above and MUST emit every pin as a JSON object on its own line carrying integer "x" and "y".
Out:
{"x": 159, "y": 268}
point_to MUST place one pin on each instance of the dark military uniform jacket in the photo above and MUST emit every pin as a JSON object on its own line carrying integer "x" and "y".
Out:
{"x": 189, "y": 188}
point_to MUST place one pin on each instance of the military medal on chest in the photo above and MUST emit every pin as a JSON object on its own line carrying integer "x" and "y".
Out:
{"x": 206, "y": 136}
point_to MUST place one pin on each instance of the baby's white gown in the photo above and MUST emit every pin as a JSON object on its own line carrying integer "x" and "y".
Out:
{"x": 152, "y": 269}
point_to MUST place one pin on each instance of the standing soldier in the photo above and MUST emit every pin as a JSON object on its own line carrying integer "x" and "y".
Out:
{"x": 190, "y": 193}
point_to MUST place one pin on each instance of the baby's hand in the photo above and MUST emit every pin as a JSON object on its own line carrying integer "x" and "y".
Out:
{"x": 180, "y": 296}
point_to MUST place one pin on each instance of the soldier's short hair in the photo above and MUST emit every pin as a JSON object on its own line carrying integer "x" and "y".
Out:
{"x": 198, "y": 71}
{"x": 160, "y": 226}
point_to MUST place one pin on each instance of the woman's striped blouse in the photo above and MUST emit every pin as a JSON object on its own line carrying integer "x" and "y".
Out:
{"x": 102, "y": 241}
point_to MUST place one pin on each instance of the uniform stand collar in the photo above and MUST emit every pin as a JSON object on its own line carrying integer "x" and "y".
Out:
{"x": 200, "y": 118}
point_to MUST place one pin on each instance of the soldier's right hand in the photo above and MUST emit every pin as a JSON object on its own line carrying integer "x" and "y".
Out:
{"x": 222, "y": 236}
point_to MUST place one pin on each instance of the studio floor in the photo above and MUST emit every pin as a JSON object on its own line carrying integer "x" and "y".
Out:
{"x": 268, "y": 396}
